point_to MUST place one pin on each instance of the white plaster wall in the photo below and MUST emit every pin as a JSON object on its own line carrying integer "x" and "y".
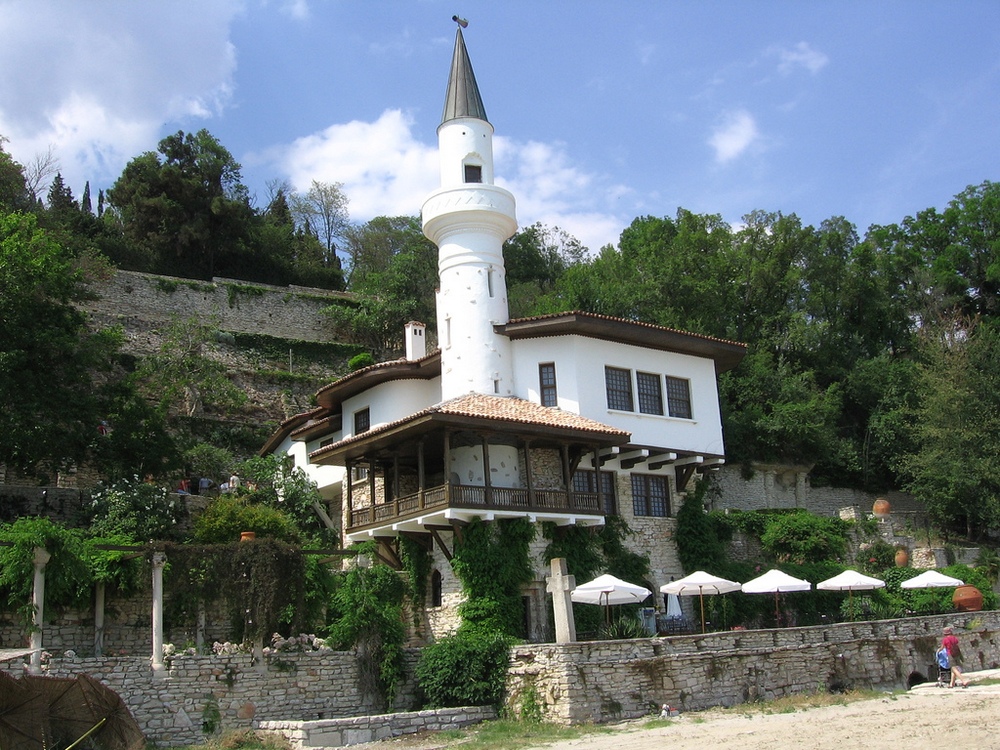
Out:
{"x": 505, "y": 465}
{"x": 392, "y": 401}
{"x": 327, "y": 478}
{"x": 465, "y": 139}
{"x": 580, "y": 363}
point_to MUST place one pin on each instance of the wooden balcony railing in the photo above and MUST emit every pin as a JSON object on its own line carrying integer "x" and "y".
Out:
{"x": 474, "y": 498}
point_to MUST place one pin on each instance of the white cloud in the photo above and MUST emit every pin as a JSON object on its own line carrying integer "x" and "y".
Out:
{"x": 734, "y": 136}
{"x": 799, "y": 56}
{"x": 97, "y": 81}
{"x": 386, "y": 171}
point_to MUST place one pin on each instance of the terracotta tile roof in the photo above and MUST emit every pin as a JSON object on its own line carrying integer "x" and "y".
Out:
{"x": 502, "y": 410}
{"x": 512, "y": 409}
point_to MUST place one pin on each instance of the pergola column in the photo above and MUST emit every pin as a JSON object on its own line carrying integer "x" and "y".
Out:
{"x": 99, "y": 592}
{"x": 159, "y": 560}
{"x": 38, "y": 603}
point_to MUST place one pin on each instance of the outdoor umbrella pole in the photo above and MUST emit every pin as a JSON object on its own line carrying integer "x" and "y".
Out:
{"x": 701, "y": 596}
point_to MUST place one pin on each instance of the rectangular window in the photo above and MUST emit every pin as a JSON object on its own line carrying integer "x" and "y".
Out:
{"x": 650, "y": 393}
{"x": 585, "y": 480}
{"x": 547, "y": 384}
{"x": 650, "y": 495}
{"x": 619, "y": 386}
{"x": 679, "y": 397}
{"x": 473, "y": 173}
{"x": 362, "y": 421}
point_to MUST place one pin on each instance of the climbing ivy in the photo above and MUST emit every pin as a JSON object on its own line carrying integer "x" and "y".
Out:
{"x": 417, "y": 564}
{"x": 262, "y": 584}
{"x": 67, "y": 576}
{"x": 367, "y": 615}
{"x": 492, "y": 562}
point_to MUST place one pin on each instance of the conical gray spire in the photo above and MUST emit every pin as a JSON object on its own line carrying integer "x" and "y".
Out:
{"x": 462, "y": 98}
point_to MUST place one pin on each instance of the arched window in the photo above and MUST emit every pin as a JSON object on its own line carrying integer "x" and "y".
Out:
{"x": 436, "y": 588}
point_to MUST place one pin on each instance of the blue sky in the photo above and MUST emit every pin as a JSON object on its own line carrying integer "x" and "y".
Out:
{"x": 868, "y": 110}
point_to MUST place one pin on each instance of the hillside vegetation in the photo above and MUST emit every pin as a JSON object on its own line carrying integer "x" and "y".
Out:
{"x": 873, "y": 358}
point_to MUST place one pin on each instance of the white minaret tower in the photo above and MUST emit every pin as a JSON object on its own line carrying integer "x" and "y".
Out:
{"x": 469, "y": 218}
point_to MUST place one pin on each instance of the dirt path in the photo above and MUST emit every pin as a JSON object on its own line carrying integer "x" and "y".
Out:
{"x": 924, "y": 718}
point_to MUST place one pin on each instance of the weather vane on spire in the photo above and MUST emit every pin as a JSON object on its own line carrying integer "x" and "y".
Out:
{"x": 460, "y": 21}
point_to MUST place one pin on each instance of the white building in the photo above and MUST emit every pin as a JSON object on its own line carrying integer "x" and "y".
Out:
{"x": 563, "y": 418}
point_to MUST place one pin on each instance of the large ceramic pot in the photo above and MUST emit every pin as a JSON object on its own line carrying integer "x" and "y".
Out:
{"x": 902, "y": 558}
{"x": 881, "y": 507}
{"x": 248, "y": 536}
{"x": 967, "y": 598}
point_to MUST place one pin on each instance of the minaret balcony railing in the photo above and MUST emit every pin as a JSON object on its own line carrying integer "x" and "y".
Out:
{"x": 473, "y": 497}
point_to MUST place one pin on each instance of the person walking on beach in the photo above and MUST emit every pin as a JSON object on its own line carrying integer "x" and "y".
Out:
{"x": 950, "y": 643}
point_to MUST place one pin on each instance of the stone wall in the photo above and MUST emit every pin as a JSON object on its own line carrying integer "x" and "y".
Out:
{"x": 601, "y": 681}
{"x": 329, "y": 733}
{"x": 203, "y": 695}
{"x": 130, "y": 297}
{"x": 771, "y": 486}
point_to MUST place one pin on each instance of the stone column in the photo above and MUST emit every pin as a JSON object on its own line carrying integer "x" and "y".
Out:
{"x": 560, "y": 585}
{"x": 99, "y": 591}
{"x": 159, "y": 560}
{"x": 38, "y": 603}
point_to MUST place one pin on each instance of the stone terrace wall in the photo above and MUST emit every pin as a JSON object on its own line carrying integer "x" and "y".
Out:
{"x": 610, "y": 680}
{"x": 774, "y": 486}
{"x": 328, "y": 733}
{"x": 216, "y": 693}
{"x": 236, "y": 306}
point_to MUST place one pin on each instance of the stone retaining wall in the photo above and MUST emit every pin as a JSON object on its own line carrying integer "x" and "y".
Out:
{"x": 237, "y": 306}
{"x": 203, "y": 695}
{"x": 595, "y": 681}
{"x": 602, "y": 681}
{"x": 361, "y": 729}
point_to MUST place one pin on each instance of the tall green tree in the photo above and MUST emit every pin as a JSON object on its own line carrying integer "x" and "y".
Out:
{"x": 394, "y": 276}
{"x": 955, "y": 469}
{"x": 57, "y": 379}
{"x": 185, "y": 206}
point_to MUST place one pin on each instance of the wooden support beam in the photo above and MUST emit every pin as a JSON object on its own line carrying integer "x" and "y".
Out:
{"x": 387, "y": 552}
{"x": 444, "y": 548}
{"x": 424, "y": 540}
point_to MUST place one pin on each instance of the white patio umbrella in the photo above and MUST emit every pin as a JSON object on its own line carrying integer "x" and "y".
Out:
{"x": 931, "y": 579}
{"x": 775, "y": 582}
{"x": 850, "y": 581}
{"x": 700, "y": 583}
{"x": 607, "y": 590}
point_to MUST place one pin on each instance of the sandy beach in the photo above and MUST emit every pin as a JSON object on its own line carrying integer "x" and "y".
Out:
{"x": 926, "y": 717}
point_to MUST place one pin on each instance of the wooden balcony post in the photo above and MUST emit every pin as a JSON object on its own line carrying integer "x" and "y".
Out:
{"x": 487, "y": 483}
{"x": 528, "y": 479}
{"x": 421, "y": 478}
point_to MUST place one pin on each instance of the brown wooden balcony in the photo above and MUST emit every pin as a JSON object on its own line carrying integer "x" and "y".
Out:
{"x": 475, "y": 498}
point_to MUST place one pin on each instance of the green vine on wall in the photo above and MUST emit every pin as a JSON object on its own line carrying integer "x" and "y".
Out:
{"x": 492, "y": 562}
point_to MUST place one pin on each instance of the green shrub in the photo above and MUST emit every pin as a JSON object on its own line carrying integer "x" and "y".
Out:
{"x": 467, "y": 669}
{"x": 803, "y": 537}
{"x": 229, "y": 515}
{"x": 67, "y": 576}
{"x": 360, "y": 361}
{"x": 367, "y": 614}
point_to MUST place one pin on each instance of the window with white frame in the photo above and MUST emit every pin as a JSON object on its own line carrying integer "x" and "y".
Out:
{"x": 362, "y": 420}
{"x": 547, "y": 384}
{"x": 679, "y": 397}
{"x": 650, "y": 392}
{"x": 618, "y": 383}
